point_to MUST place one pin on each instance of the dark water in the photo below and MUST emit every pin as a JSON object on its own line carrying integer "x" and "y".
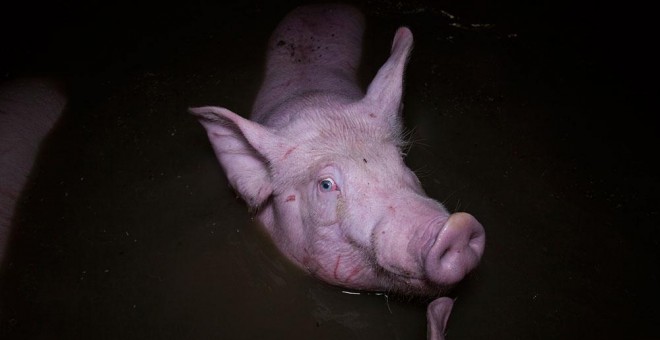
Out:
{"x": 536, "y": 118}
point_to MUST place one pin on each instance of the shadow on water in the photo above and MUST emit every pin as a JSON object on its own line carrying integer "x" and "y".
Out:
{"x": 534, "y": 118}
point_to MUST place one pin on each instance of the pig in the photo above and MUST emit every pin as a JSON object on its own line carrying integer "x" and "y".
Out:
{"x": 321, "y": 163}
{"x": 28, "y": 110}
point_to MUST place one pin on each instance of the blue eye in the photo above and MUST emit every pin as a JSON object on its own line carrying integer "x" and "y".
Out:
{"x": 327, "y": 185}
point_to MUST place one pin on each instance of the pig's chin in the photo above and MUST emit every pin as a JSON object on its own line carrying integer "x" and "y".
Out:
{"x": 365, "y": 279}
{"x": 353, "y": 271}
{"x": 418, "y": 285}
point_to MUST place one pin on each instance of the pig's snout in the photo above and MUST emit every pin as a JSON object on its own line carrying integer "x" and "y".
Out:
{"x": 456, "y": 250}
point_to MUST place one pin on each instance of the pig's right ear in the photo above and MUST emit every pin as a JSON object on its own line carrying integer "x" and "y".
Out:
{"x": 244, "y": 149}
{"x": 385, "y": 91}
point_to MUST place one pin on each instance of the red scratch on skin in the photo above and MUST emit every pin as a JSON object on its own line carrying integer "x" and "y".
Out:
{"x": 290, "y": 198}
{"x": 337, "y": 266}
{"x": 286, "y": 84}
{"x": 354, "y": 272}
{"x": 306, "y": 260}
{"x": 288, "y": 152}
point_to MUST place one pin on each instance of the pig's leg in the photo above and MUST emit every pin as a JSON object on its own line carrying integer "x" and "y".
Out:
{"x": 437, "y": 315}
{"x": 315, "y": 49}
{"x": 28, "y": 110}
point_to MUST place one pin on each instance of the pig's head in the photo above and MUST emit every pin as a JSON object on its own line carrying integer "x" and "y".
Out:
{"x": 332, "y": 189}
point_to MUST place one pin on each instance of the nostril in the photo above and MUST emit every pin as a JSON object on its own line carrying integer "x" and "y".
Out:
{"x": 477, "y": 240}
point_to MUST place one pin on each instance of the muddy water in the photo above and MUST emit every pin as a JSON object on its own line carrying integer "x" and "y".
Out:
{"x": 129, "y": 230}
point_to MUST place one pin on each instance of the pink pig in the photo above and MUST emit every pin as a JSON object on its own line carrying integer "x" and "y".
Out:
{"x": 28, "y": 110}
{"x": 321, "y": 162}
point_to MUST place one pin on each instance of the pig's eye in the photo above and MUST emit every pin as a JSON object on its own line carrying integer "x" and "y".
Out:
{"x": 327, "y": 185}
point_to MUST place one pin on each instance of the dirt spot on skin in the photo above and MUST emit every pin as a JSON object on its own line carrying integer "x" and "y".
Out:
{"x": 339, "y": 211}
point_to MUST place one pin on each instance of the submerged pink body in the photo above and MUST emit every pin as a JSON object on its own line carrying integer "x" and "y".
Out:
{"x": 28, "y": 110}
{"x": 322, "y": 162}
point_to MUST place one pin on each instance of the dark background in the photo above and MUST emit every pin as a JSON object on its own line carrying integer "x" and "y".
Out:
{"x": 536, "y": 117}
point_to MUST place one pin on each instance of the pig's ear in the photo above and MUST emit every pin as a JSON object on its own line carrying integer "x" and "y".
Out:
{"x": 386, "y": 90}
{"x": 244, "y": 149}
{"x": 437, "y": 314}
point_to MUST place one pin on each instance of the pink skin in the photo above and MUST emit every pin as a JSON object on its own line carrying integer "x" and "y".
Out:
{"x": 437, "y": 315}
{"x": 28, "y": 110}
{"x": 322, "y": 163}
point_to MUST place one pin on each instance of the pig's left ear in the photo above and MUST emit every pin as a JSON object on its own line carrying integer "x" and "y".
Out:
{"x": 385, "y": 91}
{"x": 244, "y": 148}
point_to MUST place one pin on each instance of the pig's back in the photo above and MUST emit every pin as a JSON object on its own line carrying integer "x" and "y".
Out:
{"x": 315, "y": 50}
